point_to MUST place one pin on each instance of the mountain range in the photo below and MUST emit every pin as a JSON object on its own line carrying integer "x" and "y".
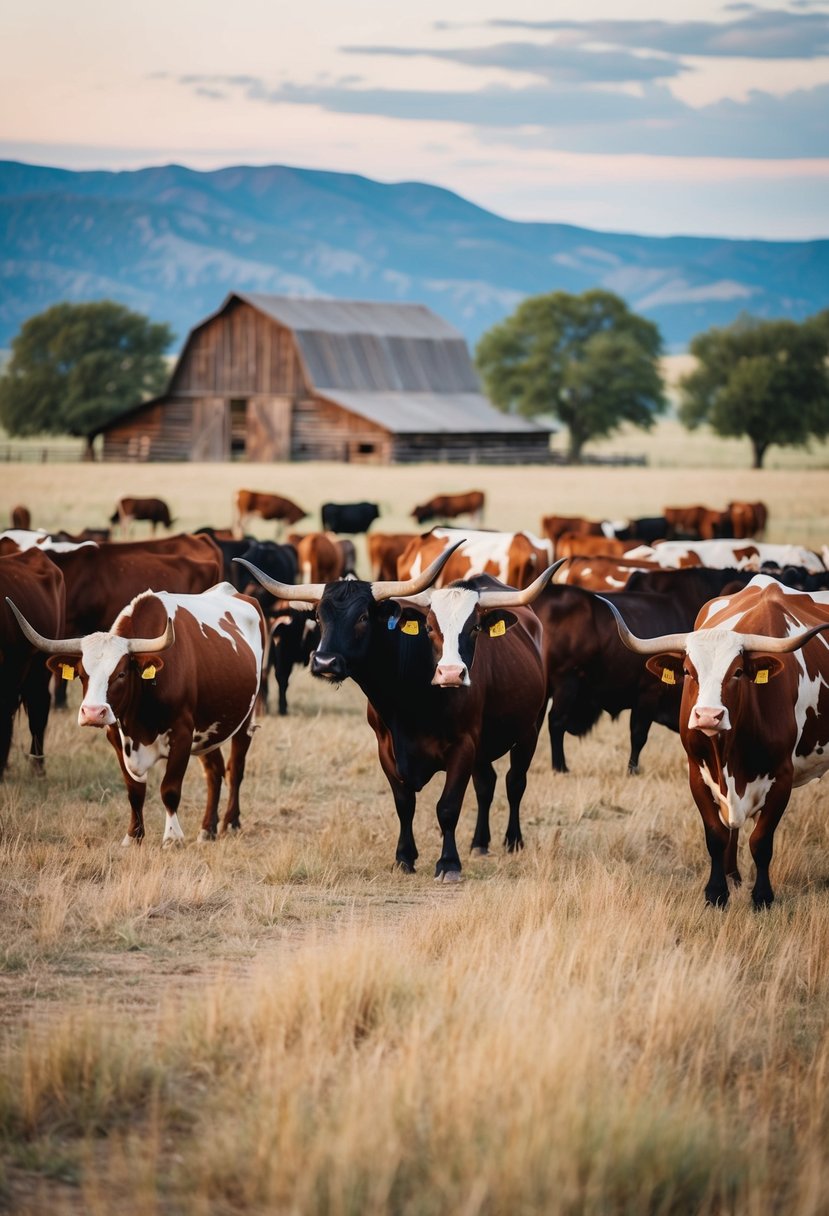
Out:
{"x": 172, "y": 242}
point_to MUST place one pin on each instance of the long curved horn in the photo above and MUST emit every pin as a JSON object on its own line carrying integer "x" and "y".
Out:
{"x": 308, "y": 593}
{"x": 50, "y": 645}
{"x": 412, "y": 586}
{"x": 765, "y": 645}
{"x": 152, "y": 645}
{"x": 514, "y": 599}
{"x": 668, "y": 643}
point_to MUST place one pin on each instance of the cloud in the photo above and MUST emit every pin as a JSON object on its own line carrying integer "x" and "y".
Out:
{"x": 651, "y": 121}
{"x": 760, "y": 34}
{"x": 548, "y": 60}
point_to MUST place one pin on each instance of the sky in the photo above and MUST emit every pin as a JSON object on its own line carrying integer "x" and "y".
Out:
{"x": 691, "y": 117}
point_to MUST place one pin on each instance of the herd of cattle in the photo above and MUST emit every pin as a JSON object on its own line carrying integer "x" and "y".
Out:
{"x": 462, "y": 641}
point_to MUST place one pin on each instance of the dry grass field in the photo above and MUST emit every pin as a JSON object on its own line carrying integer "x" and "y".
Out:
{"x": 280, "y": 1023}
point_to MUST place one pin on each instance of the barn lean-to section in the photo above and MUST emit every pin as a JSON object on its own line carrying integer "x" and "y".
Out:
{"x": 269, "y": 378}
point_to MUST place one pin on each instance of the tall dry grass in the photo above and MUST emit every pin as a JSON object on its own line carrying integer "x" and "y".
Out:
{"x": 281, "y": 1023}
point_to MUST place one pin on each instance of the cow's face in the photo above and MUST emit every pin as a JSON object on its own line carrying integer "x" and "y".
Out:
{"x": 454, "y": 622}
{"x": 717, "y": 673}
{"x": 108, "y": 675}
{"x": 347, "y": 614}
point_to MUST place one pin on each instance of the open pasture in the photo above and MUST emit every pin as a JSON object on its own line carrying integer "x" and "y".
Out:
{"x": 282, "y": 1023}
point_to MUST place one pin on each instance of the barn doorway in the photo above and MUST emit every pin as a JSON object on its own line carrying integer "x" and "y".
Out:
{"x": 238, "y": 428}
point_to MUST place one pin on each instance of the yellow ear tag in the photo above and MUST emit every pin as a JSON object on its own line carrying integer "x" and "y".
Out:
{"x": 148, "y": 673}
{"x": 668, "y": 676}
{"x": 497, "y": 630}
{"x": 410, "y": 627}
{"x": 762, "y": 676}
{"x": 67, "y": 671}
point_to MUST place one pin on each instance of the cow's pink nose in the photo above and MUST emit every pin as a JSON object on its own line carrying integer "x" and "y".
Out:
{"x": 449, "y": 675}
{"x": 706, "y": 719}
{"x": 92, "y": 715}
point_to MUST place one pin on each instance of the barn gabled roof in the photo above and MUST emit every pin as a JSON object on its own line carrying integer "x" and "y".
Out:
{"x": 433, "y": 413}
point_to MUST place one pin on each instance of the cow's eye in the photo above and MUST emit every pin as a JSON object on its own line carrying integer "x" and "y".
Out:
{"x": 738, "y": 672}
{"x": 122, "y": 675}
{"x": 362, "y": 619}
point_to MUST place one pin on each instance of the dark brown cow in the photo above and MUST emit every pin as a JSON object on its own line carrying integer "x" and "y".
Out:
{"x": 754, "y": 719}
{"x": 554, "y": 526}
{"x": 154, "y": 510}
{"x": 36, "y": 584}
{"x": 514, "y": 558}
{"x": 433, "y": 712}
{"x": 267, "y": 506}
{"x": 21, "y": 517}
{"x": 177, "y": 675}
{"x": 450, "y": 506}
{"x": 748, "y": 519}
{"x": 384, "y": 548}
{"x": 696, "y": 523}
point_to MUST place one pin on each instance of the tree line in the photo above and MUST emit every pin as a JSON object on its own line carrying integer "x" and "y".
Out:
{"x": 587, "y": 361}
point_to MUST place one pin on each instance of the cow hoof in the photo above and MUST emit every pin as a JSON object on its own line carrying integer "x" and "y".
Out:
{"x": 479, "y": 851}
{"x": 453, "y": 876}
{"x": 405, "y": 867}
{"x": 129, "y": 841}
{"x": 633, "y": 770}
{"x": 716, "y": 899}
{"x": 204, "y": 836}
{"x": 172, "y": 842}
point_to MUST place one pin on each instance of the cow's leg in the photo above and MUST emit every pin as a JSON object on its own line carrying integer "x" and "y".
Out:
{"x": 761, "y": 840}
{"x": 235, "y": 775}
{"x": 214, "y": 771}
{"x": 640, "y": 725}
{"x": 171, "y": 787}
{"x": 731, "y": 869}
{"x": 7, "y": 711}
{"x": 458, "y": 772}
{"x": 36, "y": 700}
{"x": 483, "y": 778}
{"x": 520, "y": 759}
{"x": 136, "y": 793}
{"x": 555, "y": 725}
{"x": 282, "y": 670}
{"x": 716, "y": 838}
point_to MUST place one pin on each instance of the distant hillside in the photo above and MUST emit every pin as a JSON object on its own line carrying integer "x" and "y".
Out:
{"x": 172, "y": 242}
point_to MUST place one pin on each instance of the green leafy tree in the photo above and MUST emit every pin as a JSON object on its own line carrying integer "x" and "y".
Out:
{"x": 767, "y": 380}
{"x": 76, "y": 366}
{"x": 587, "y": 359}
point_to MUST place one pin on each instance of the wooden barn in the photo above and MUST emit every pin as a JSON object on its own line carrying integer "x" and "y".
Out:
{"x": 270, "y": 378}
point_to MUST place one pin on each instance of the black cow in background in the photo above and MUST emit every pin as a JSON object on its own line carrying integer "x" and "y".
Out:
{"x": 295, "y": 635}
{"x": 348, "y": 517}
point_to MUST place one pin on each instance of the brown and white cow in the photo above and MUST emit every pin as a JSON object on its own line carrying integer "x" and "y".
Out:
{"x": 154, "y": 510}
{"x": 577, "y": 544}
{"x": 728, "y": 554}
{"x": 267, "y": 506}
{"x": 175, "y": 676}
{"x": 384, "y": 548}
{"x": 514, "y": 558}
{"x": 601, "y": 573}
{"x": 698, "y": 522}
{"x": 754, "y": 717}
{"x": 450, "y": 506}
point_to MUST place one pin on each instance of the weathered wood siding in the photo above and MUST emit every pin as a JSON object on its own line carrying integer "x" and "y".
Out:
{"x": 322, "y": 431}
{"x": 471, "y": 449}
{"x": 240, "y": 354}
{"x": 269, "y": 428}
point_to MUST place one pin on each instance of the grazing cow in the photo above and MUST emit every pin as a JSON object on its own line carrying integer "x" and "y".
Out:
{"x": 448, "y": 691}
{"x": 351, "y": 517}
{"x": 589, "y": 671}
{"x": 515, "y": 558}
{"x": 601, "y": 573}
{"x": 267, "y": 506}
{"x": 155, "y": 510}
{"x": 175, "y": 676}
{"x": 450, "y": 506}
{"x": 754, "y": 719}
{"x": 384, "y": 548}
{"x": 34, "y": 582}
{"x": 21, "y": 517}
{"x": 554, "y": 526}
{"x": 319, "y": 558}
{"x": 696, "y": 523}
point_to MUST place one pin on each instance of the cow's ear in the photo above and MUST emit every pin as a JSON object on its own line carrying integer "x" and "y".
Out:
{"x": 149, "y": 665}
{"x": 497, "y": 622}
{"x": 65, "y": 666}
{"x": 389, "y": 612}
{"x": 763, "y": 667}
{"x": 666, "y": 667}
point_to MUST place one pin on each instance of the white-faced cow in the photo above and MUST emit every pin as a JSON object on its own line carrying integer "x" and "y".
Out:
{"x": 449, "y": 689}
{"x": 754, "y": 717}
{"x": 175, "y": 676}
